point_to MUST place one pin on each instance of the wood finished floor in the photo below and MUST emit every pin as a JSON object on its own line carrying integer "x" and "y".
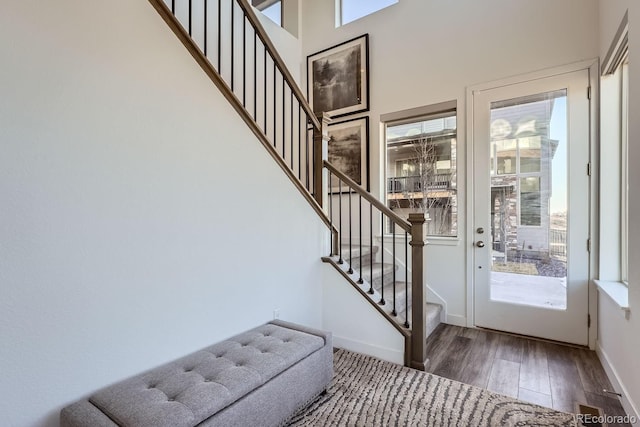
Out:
{"x": 544, "y": 373}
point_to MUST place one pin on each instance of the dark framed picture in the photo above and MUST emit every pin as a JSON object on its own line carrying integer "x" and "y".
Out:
{"x": 338, "y": 78}
{"x": 349, "y": 152}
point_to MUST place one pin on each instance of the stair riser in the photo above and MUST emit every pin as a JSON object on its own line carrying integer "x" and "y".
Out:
{"x": 431, "y": 326}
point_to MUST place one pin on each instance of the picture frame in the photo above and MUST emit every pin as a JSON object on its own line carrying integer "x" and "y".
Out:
{"x": 338, "y": 78}
{"x": 348, "y": 151}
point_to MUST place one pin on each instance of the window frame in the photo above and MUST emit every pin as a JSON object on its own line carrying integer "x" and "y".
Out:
{"x": 433, "y": 112}
{"x": 615, "y": 66}
{"x": 624, "y": 170}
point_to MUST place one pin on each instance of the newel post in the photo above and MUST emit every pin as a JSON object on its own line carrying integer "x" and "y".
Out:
{"x": 419, "y": 358}
{"x": 320, "y": 174}
{"x": 320, "y": 154}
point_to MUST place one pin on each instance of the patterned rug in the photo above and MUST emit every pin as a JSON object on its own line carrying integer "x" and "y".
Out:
{"x": 370, "y": 392}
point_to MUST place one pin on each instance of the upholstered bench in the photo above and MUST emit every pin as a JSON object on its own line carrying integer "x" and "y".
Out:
{"x": 258, "y": 378}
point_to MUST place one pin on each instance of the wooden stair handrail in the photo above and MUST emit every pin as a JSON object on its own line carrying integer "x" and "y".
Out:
{"x": 286, "y": 74}
{"x": 226, "y": 91}
{"x": 415, "y": 342}
{"x": 368, "y": 197}
{"x": 415, "y": 349}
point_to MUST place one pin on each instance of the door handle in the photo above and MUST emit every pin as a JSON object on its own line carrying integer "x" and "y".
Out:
{"x": 480, "y": 244}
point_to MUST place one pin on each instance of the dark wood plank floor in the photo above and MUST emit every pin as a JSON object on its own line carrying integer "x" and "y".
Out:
{"x": 548, "y": 374}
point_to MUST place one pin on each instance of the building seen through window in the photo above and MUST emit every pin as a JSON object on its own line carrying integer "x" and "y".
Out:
{"x": 528, "y": 176}
{"x": 421, "y": 171}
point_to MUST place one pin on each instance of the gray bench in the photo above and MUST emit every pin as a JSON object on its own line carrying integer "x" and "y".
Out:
{"x": 258, "y": 378}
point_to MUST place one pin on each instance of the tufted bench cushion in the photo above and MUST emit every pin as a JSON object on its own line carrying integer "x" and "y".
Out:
{"x": 190, "y": 390}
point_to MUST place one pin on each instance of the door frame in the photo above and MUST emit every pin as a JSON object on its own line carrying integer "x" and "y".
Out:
{"x": 592, "y": 66}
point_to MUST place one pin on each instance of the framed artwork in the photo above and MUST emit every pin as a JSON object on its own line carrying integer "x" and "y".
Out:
{"x": 349, "y": 152}
{"x": 338, "y": 78}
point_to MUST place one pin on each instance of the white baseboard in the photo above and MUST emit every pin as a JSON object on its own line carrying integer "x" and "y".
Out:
{"x": 456, "y": 320}
{"x": 629, "y": 406}
{"x": 388, "y": 354}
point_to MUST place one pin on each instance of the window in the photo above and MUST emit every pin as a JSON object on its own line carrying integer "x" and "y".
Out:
{"x": 518, "y": 157}
{"x": 274, "y": 12}
{"x": 529, "y": 154}
{"x": 505, "y": 153}
{"x": 614, "y": 167}
{"x": 421, "y": 170}
{"x": 350, "y": 10}
{"x": 270, "y": 8}
{"x": 624, "y": 171}
{"x": 530, "y": 201}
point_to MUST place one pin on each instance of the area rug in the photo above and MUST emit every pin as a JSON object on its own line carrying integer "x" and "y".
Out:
{"x": 370, "y": 392}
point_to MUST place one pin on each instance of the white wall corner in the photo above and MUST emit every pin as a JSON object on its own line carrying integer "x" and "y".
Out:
{"x": 457, "y": 320}
{"x": 629, "y": 406}
{"x": 385, "y": 353}
{"x": 356, "y": 325}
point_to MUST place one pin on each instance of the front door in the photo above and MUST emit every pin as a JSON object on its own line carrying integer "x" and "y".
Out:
{"x": 531, "y": 207}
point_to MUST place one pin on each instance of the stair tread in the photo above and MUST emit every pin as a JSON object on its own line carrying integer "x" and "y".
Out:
{"x": 354, "y": 256}
{"x": 433, "y": 311}
{"x": 377, "y": 270}
{"x": 355, "y": 250}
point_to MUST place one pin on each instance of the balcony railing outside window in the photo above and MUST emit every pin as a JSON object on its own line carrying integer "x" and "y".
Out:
{"x": 421, "y": 170}
{"x": 413, "y": 184}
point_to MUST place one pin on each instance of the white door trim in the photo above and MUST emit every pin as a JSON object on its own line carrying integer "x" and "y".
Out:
{"x": 592, "y": 66}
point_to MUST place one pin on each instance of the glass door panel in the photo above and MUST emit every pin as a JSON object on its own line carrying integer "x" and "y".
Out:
{"x": 529, "y": 200}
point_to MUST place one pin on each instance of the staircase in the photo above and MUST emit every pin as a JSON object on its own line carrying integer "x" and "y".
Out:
{"x": 374, "y": 274}
{"x": 228, "y": 42}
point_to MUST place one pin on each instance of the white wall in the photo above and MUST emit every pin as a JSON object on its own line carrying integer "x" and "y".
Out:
{"x": 230, "y": 50}
{"x": 619, "y": 337}
{"x": 288, "y": 45}
{"x": 140, "y": 219}
{"x": 357, "y": 326}
{"x": 425, "y": 52}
